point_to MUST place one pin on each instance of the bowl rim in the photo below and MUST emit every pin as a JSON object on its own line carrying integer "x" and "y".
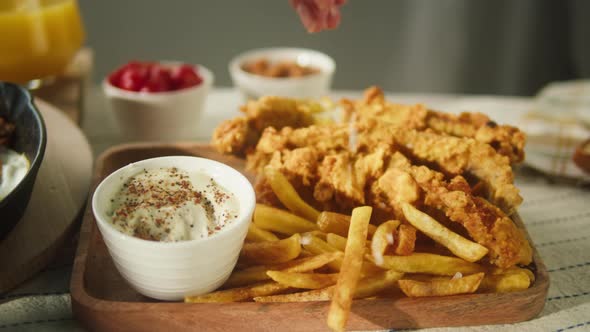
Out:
{"x": 234, "y": 65}
{"x": 206, "y": 74}
{"x": 40, "y": 151}
{"x": 249, "y": 204}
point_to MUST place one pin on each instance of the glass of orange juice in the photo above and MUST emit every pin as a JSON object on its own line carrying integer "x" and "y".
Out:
{"x": 38, "y": 38}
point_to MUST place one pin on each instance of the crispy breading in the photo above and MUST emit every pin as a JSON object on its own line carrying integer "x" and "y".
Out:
{"x": 507, "y": 140}
{"x": 240, "y": 135}
{"x": 337, "y": 181}
{"x": 234, "y": 136}
{"x": 404, "y": 240}
{"x": 484, "y": 222}
{"x": 277, "y": 112}
{"x": 374, "y": 111}
{"x": 457, "y": 156}
{"x": 388, "y": 154}
{"x": 394, "y": 187}
{"x": 299, "y": 165}
{"x": 324, "y": 139}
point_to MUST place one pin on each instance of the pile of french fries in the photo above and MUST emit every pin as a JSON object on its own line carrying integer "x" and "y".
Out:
{"x": 306, "y": 255}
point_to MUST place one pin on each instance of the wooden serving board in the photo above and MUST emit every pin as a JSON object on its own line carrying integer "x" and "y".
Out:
{"x": 58, "y": 198}
{"x": 102, "y": 300}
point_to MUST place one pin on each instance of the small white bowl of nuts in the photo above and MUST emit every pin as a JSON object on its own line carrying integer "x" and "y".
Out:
{"x": 287, "y": 72}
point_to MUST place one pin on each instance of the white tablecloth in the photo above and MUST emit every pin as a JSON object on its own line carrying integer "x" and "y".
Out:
{"x": 557, "y": 217}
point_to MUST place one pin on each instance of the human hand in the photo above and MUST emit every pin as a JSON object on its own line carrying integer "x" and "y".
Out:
{"x": 318, "y": 15}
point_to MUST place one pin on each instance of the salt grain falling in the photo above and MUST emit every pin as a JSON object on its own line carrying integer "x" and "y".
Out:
{"x": 389, "y": 238}
{"x": 378, "y": 257}
{"x": 305, "y": 239}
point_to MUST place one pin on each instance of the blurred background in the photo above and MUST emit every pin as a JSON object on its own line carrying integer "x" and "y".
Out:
{"x": 448, "y": 46}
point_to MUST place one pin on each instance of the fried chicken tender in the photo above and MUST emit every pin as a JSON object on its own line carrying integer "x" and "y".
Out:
{"x": 484, "y": 222}
{"x": 386, "y": 154}
{"x": 324, "y": 139}
{"x": 457, "y": 156}
{"x": 337, "y": 181}
{"x": 373, "y": 111}
{"x": 393, "y": 188}
{"x": 234, "y": 136}
{"x": 300, "y": 164}
{"x": 238, "y": 136}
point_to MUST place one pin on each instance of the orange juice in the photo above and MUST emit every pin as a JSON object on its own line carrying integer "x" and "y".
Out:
{"x": 37, "y": 38}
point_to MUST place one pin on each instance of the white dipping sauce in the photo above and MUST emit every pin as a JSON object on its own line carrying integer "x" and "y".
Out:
{"x": 168, "y": 204}
{"x": 14, "y": 168}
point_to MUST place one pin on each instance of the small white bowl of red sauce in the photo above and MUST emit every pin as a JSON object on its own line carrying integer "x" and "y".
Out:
{"x": 174, "y": 226}
{"x": 282, "y": 71}
{"x": 158, "y": 101}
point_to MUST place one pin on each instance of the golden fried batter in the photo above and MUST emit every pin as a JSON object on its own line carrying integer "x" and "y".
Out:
{"x": 386, "y": 154}
{"x": 373, "y": 111}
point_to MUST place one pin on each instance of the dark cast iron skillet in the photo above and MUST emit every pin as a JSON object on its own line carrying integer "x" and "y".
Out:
{"x": 30, "y": 138}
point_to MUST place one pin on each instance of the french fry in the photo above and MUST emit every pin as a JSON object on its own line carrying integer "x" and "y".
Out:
{"x": 303, "y": 280}
{"x": 375, "y": 284}
{"x": 306, "y": 253}
{"x": 458, "y": 245}
{"x": 511, "y": 280}
{"x": 288, "y": 195}
{"x": 336, "y": 241}
{"x": 367, "y": 287}
{"x": 405, "y": 240}
{"x": 350, "y": 270}
{"x": 382, "y": 238}
{"x": 271, "y": 252}
{"x": 257, "y": 234}
{"x": 310, "y": 263}
{"x": 453, "y": 286}
{"x": 246, "y": 277}
{"x": 339, "y": 242}
{"x": 529, "y": 273}
{"x": 255, "y": 274}
{"x": 316, "y": 245}
{"x": 323, "y": 294}
{"x": 337, "y": 223}
{"x": 238, "y": 294}
{"x": 281, "y": 221}
{"x": 429, "y": 263}
{"x": 515, "y": 269}
{"x": 319, "y": 234}
{"x": 319, "y": 246}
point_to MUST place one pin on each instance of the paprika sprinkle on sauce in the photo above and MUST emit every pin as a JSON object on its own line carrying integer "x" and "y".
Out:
{"x": 168, "y": 204}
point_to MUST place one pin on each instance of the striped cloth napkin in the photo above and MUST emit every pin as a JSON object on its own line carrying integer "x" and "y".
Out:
{"x": 557, "y": 124}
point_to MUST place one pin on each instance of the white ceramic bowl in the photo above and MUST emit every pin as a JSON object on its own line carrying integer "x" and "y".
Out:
{"x": 172, "y": 270}
{"x": 159, "y": 116}
{"x": 310, "y": 86}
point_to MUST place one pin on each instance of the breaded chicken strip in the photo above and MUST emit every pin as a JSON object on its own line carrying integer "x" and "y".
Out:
{"x": 374, "y": 111}
{"x": 240, "y": 135}
{"x": 324, "y": 140}
{"x": 484, "y": 222}
{"x": 457, "y": 156}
